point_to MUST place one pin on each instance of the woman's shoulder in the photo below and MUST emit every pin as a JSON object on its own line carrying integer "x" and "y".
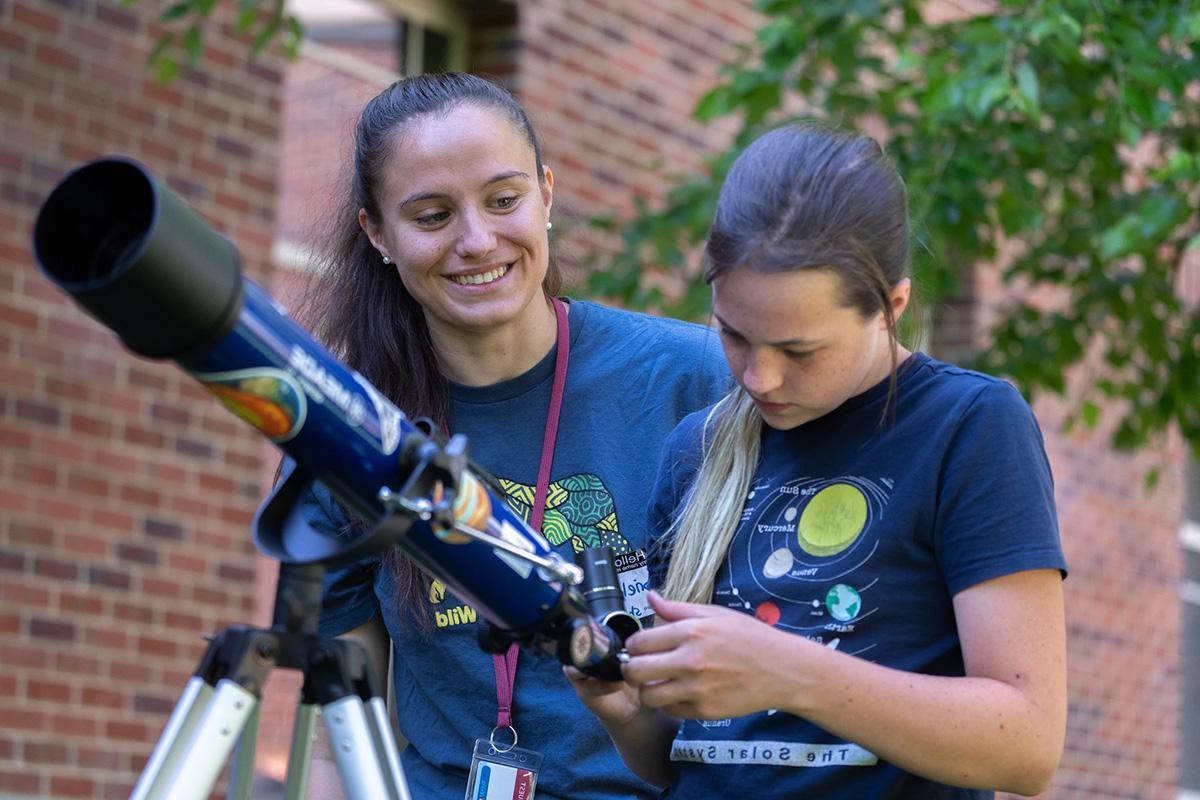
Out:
{"x": 638, "y": 326}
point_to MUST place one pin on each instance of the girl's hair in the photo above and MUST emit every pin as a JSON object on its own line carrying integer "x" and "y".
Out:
{"x": 808, "y": 197}
{"x": 358, "y": 305}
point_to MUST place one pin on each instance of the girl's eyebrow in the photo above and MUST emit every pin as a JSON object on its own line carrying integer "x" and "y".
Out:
{"x": 502, "y": 176}
{"x": 787, "y": 343}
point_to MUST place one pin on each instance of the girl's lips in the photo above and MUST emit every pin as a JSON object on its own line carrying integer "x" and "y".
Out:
{"x": 774, "y": 408}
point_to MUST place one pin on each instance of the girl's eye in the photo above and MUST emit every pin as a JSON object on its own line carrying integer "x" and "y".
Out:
{"x": 799, "y": 355}
{"x": 505, "y": 201}
{"x": 732, "y": 337}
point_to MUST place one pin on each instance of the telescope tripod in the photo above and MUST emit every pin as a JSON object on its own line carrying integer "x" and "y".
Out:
{"x": 220, "y": 706}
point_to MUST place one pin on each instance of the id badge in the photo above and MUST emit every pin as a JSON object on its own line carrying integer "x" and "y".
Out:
{"x": 498, "y": 774}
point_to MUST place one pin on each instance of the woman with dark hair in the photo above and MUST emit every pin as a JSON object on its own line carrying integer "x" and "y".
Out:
{"x": 857, "y": 549}
{"x": 441, "y": 290}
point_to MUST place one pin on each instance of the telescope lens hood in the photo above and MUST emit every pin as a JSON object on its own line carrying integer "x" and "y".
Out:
{"x": 133, "y": 255}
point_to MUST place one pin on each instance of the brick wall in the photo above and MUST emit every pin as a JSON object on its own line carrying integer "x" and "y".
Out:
{"x": 125, "y": 491}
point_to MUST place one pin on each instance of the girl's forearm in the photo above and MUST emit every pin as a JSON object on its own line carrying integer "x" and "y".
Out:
{"x": 644, "y": 743}
{"x": 964, "y": 731}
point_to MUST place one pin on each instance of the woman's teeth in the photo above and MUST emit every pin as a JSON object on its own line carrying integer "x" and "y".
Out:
{"x": 477, "y": 280}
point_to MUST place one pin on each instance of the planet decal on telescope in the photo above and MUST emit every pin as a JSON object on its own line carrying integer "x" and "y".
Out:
{"x": 472, "y": 508}
{"x": 267, "y": 399}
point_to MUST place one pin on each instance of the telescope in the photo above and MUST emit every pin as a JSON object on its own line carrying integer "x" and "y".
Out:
{"x": 134, "y": 256}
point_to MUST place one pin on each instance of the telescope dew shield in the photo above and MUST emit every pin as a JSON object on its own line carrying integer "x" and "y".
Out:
{"x": 135, "y": 257}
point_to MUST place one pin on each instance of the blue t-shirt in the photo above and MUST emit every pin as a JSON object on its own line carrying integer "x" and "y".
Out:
{"x": 857, "y": 535}
{"x": 630, "y": 379}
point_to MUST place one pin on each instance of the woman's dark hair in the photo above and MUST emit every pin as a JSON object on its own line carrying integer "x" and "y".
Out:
{"x": 358, "y": 306}
{"x": 812, "y": 196}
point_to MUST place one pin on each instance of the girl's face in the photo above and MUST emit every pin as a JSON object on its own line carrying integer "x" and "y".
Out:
{"x": 794, "y": 347}
{"x": 463, "y": 219}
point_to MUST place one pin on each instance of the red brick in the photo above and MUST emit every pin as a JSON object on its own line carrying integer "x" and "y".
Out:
{"x": 57, "y": 57}
{"x": 48, "y": 690}
{"x": 74, "y": 725}
{"x": 68, "y": 786}
{"x": 19, "y": 781}
{"x": 23, "y": 15}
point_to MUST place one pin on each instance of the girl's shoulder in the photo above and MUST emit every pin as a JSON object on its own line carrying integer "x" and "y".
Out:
{"x": 939, "y": 383}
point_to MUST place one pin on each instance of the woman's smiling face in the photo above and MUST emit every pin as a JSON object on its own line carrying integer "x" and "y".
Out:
{"x": 463, "y": 219}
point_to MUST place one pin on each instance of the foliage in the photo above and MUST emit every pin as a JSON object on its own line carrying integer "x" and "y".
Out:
{"x": 187, "y": 21}
{"x": 1015, "y": 125}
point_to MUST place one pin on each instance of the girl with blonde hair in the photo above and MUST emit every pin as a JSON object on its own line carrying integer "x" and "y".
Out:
{"x": 859, "y": 562}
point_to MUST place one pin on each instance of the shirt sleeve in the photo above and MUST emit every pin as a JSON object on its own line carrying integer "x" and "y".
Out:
{"x": 996, "y": 513}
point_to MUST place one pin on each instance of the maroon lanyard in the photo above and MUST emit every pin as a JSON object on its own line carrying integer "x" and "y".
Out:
{"x": 506, "y": 665}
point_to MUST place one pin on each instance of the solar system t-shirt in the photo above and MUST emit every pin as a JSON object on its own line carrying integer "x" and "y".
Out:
{"x": 856, "y": 535}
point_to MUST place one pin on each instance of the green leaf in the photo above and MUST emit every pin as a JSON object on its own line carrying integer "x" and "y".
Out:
{"x": 193, "y": 45}
{"x": 166, "y": 69}
{"x": 987, "y": 94}
{"x": 1027, "y": 83}
{"x": 175, "y": 11}
{"x": 245, "y": 20}
{"x": 1090, "y": 413}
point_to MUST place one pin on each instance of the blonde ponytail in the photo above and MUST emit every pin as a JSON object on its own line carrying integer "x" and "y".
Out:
{"x": 699, "y": 537}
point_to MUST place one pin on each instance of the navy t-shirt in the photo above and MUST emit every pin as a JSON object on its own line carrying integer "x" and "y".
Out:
{"x": 631, "y": 378}
{"x": 857, "y": 535}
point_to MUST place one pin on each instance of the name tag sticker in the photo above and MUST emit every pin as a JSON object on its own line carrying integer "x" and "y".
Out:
{"x": 634, "y": 575}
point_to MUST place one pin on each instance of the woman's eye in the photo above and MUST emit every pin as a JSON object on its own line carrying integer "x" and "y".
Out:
{"x": 506, "y": 201}
{"x": 799, "y": 355}
{"x": 432, "y": 218}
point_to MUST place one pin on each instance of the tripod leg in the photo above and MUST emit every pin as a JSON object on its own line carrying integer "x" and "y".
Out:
{"x": 241, "y": 769}
{"x": 187, "y": 713}
{"x": 385, "y": 743}
{"x": 365, "y": 751}
{"x": 199, "y": 736}
{"x": 300, "y": 751}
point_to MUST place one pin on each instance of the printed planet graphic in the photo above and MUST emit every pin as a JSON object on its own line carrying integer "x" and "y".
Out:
{"x": 778, "y": 564}
{"x": 266, "y": 399}
{"x": 843, "y": 602}
{"x": 767, "y": 612}
{"x": 832, "y": 520}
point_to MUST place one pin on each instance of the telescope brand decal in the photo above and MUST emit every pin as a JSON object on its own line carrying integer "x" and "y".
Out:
{"x": 326, "y": 387}
{"x": 266, "y": 398}
{"x": 388, "y": 415}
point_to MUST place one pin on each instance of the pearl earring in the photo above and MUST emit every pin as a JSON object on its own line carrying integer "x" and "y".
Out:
{"x": 387, "y": 260}
{"x": 549, "y": 225}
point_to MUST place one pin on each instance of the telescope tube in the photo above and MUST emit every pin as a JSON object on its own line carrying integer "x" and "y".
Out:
{"x": 132, "y": 254}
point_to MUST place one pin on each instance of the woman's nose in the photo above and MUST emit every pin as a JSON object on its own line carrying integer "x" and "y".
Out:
{"x": 475, "y": 235}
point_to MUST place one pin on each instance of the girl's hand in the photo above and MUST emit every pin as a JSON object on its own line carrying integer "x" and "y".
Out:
{"x": 708, "y": 662}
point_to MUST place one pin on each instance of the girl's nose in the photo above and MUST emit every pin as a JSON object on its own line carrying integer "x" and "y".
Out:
{"x": 762, "y": 373}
